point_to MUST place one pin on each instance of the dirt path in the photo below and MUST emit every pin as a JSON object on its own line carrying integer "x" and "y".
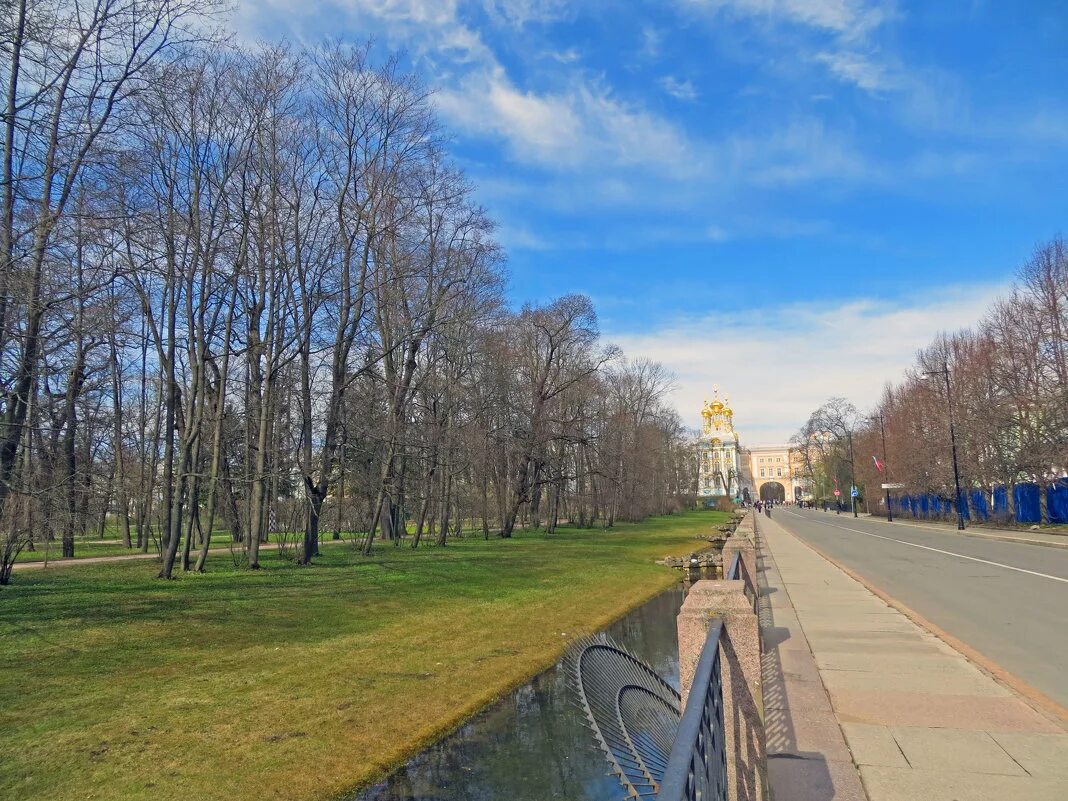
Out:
{"x": 131, "y": 557}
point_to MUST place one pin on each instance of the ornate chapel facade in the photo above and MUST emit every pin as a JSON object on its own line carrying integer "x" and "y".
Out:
{"x": 720, "y": 461}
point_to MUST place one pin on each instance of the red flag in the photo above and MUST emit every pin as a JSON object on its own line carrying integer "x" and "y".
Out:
{"x": 878, "y": 464}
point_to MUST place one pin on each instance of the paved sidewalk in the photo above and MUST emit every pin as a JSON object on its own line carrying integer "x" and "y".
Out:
{"x": 919, "y": 721}
{"x": 808, "y": 759}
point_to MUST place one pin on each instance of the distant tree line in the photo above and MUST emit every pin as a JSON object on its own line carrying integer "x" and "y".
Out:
{"x": 1008, "y": 397}
{"x": 245, "y": 290}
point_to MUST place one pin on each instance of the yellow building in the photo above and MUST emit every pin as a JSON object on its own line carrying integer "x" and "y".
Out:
{"x": 777, "y": 474}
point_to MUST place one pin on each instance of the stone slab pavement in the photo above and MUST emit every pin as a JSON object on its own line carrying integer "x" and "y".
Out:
{"x": 860, "y": 702}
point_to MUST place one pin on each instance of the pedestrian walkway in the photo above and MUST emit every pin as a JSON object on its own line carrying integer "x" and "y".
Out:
{"x": 861, "y": 702}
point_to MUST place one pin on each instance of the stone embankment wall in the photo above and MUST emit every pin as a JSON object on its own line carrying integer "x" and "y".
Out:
{"x": 734, "y": 603}
{"x": 708, "y": 555}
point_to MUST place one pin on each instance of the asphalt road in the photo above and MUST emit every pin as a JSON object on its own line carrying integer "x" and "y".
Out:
{"x": 1006, "y": 600}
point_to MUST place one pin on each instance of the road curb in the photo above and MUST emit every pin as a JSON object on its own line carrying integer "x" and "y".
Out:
{"x": 975, "y": 534}
{"x": 1033, "y": 697}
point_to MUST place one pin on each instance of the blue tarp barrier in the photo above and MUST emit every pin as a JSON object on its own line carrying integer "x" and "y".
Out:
{"x": 964, "y": 506}
{"x": 1057, "y": 501}
{"x": 925, "y": 504}
{"x": 1028, "y": 504}
{"x": 979, "y": 504}
{"x": 1001, "y": 501}
{"x": 936, "y": 505}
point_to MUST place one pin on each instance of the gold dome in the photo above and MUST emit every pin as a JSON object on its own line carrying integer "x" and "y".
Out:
{"x": 717, "y": 408}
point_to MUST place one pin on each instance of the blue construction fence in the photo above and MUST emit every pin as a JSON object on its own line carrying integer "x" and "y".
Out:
{"x": 1020, "y": 503}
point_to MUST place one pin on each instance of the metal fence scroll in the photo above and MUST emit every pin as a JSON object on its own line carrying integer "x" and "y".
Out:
{"x": 634, "y": 715}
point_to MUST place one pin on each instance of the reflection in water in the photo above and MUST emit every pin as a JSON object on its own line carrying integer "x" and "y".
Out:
{"x": 533, "y": 745}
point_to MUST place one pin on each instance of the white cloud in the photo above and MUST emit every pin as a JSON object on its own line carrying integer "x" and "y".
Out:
{"x": 568, "y": 56}
{"x": 519, "y": 237}
{"x": 582, "y": 127}
{"x": 537, "y": 128}
{"x": 802, "y": 150}
{"x": 578, "y": 146}
{"x": 652, "y": 39}
{"x": 777, "y": 363}
{"x": 849, "y": 19}
{"x": 523, "y": 12}
{"x": 855, "y": 68}
{"x": 841, "y": 32}
{"x": 678, "y": 89}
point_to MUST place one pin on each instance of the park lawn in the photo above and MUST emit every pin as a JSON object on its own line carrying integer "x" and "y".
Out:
{"x": 290, "y": 682}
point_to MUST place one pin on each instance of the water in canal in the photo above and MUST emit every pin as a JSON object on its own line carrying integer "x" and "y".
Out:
{"x": 533, "y": 745}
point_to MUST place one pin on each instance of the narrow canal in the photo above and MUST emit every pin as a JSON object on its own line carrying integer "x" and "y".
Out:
{"x": 533, "y": 745}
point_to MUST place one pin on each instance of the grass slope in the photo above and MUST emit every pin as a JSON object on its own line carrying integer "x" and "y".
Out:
{"x": 294, "y": 683}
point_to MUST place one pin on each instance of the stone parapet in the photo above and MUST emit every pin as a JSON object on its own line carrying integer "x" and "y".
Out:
{"x": 743, "y": 541}
{"x": 730, "y": 601}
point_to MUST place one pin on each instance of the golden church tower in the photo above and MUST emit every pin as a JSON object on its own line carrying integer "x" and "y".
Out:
{"x": 719, "y": 465}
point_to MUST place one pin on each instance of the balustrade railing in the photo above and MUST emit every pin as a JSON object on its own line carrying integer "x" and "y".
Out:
{"x": 697, "y": 765}
{"x": 734, "y": 572}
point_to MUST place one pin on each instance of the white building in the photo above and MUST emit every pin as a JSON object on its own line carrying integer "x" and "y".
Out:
{"x": 718, "y": 453}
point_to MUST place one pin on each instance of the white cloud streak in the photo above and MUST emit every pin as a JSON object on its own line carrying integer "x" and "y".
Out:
{"x": 849, "y": 19}
{"x": 678, "y": 89}
{"x": 847, "y": 24}
{"x": 857, "y": 69}
{"x": 581, "y": 127}
{"x": 523, "y": 12}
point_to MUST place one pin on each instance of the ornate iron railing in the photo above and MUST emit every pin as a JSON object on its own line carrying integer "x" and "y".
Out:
{"x": 738, "y": 572}
{"x": 632, "y": 711}
{"x": 697, "y": 765}
{"x": 734, "y": 572}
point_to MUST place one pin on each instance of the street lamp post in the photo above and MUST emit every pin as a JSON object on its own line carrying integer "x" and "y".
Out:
{"x": 886, "y": 467}
{"x": 944, "y": 372}
{"x": 852, "y": 477}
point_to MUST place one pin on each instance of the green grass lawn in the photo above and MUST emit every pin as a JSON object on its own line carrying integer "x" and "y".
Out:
{"x": 289, "y": 682}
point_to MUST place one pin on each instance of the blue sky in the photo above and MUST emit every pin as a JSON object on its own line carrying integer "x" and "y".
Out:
{"x": 760, "y": 193}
